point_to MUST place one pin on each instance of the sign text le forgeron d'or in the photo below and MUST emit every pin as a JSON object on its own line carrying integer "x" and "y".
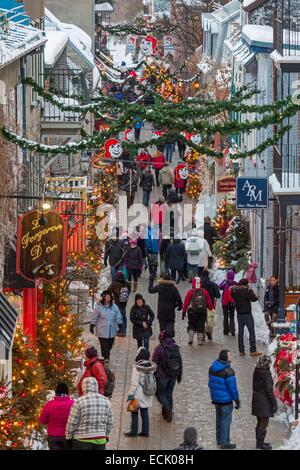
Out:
{"x": 41, "y": 250}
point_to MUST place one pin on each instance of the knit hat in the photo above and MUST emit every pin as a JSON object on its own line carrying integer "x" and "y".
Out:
{"x": 133, "y": 241}
{"x": 61, "y": 389}
{"x": 264, "y": 362}
{"x": 190, "y": 436}
{"x": 230, "y": 275}
{"x": 223, "y": 356}
{"x": 91, "y": 352}
{"x": 142, "y": 354}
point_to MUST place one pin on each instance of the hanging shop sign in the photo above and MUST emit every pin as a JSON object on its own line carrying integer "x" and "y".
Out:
{"x": 168, "y": 45}
{"x": 41, "y": 246}
{"x": 226, "y": 185}
{"x": 131, "y": 41}
{"x": 252, "y": 193}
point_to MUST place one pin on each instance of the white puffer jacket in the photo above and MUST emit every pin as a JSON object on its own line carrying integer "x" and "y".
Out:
{"x": 137, "y": 381}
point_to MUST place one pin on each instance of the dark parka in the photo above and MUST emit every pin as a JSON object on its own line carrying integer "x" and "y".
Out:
{"x": 113, "y": 252}
{"x": 271, "y": 307}
{"x": 134, "y": 258}
{"x": 138, "y": 315}
{"x": 175, "y": 256}
{"x": 263, "y": 399}
{"x": 210, "y": 234}
{"x": 168, "y": 299}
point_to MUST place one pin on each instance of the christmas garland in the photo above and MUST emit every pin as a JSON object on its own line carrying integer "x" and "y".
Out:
{"x": 124, "y": 30}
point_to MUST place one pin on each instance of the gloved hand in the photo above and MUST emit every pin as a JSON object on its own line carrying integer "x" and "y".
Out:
{"x": 130, "y": 397}
{"x": 92, "y": 329}
{"x": 237, "y": 404}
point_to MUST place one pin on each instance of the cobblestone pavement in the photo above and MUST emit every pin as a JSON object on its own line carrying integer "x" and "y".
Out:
{"x": 192, "y": 404}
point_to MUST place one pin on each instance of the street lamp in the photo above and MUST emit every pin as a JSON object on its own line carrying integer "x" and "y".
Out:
{"x": 85, "y": 161}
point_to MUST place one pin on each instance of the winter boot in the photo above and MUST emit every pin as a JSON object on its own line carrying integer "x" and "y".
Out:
{"x": 191, "y": 336}
{"x": 135, "y": 285}
{"x": 200, "y": 339}
{"x": 260, "y": 440}
{"x": 169, "y": 416}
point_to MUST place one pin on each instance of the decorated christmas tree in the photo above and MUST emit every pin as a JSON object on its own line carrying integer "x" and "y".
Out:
{"x": 58, "y": 336}
{"x": 12, "y": 422}
{"x": 225, "y": 212}
{"x": 194, "y": 183}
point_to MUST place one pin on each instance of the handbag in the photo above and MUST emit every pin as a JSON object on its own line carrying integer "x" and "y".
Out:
{"x": 133, "y": 406}
{"x": 211, "y": 318}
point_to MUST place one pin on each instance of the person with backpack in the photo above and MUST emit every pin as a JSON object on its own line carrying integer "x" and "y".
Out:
{"x": 169, "y": 369}
{"x": 193, "y": 248}
{"x": 55, "y": 415}
{"x": 142, "y": 388}
{"x": 199, "y": 301}
{"x": 147, "y": 183}
{"x": 134, "y": 263}
{"x": 90, "y": 420}
{"x": 142, "y": 318}
{"x": 93, "y": 368}
{"x": 228, "y": 304}
{"x": 190, "y": 438}
{"x": 214, "y": 294}
{"x": 106, "y": 319}
{"x": 168, "y": 300}
{"x": 121, "y": 289}
{"x": 243, "y": 297}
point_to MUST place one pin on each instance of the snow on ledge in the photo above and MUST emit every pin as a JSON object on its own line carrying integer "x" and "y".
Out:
{"x": 279, "y": 59}
{"x": 56, "y": 42}
{"x": 291, "y": 184}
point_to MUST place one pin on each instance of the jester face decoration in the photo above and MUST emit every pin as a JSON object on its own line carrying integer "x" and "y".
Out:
{"x": 148, "y": 45}
{"x": 113, "y": 149}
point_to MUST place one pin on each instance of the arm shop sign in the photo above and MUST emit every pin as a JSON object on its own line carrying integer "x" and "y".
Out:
{"x": 252, "y": 193}
{"x": 41, "y": 249}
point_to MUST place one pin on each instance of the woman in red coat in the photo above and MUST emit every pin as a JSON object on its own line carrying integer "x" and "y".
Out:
{"x": 143, "y": 158}
{"x": 93, "y": 368}
{"x": 158, "y": 161}
{"x": 55, "y": 415}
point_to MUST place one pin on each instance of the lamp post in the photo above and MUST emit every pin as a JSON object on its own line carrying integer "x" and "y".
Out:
{"x": 85, "y": 161}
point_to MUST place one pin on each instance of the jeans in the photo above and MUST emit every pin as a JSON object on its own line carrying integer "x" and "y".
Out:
{"x": 57, "y": 443}
{"x": 135, "y": 421}
{"x": 228, "y": 320}
{"x": 156, "y": 170}
{"x": 169, "y": 152}
{"x": 122, "y": 308}
{"x": 246, "y": 320}
{"x": 143, "y": 342}
{"x": 106, "y": 344}
{"x": 165, "y": 387}
{"x": 223, "y": 423}
{"x": 179, "y": 274}
{"x": 113, "y": 271}
{"x": 193, "y": 270}
{"x": 137, "y": 131}
{"x": 165, "y": 190}
{"x": 146, "y": 198}
{"x": 77, "y": 445}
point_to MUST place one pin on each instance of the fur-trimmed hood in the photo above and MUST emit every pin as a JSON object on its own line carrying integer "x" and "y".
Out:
{"x": 166, "y": 282}
{"x": 145, "y": 366}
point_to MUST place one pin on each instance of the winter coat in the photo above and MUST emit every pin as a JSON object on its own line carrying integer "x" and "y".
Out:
{"x": 189, "y": 297}
{"x": 226, "y": 283}
{"x": 141, "y": 158}
{"x": 138, "y": 315}
{"x": 139, "y": 370}
{"x": 157, "y": 357}
{"x": 138, "y": 122}
{"x": 194, "y": 243}
{"x": 134, "y": 258}
{"x": 113, "y": 252}
{"x": 243, "y": 297}
{"x": 158, "y": 161}
{"x": 106, "y": 320}
{"x": 210, "y": 234}
{"x": 168, "y": 299}
{"x": 115, "y": 288}
{"x": 212, "y": 289}
{"x": 91, "y": 415}
{"x": 175, "y": 255}
{"x": 94, "y": 368}
{"x": 271, "y": 307}
{"x": 264, "y": 402}
{"x": 166, "y": 176}
{"x": 55, "y": 415}
{"x": 173, "y": 197}
{"x": 222, "y": 383}
{"x": 147, "y": 182}
{"x": 163, "y": 247}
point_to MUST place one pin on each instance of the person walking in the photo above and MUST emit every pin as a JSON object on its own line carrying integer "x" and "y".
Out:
{"x": 190, "y": 438}
{"x": 134, "y": 263}
{"x": 210, "y": 235}
{"x": 93, "y": 368}
{"x": 168, "y": 359}
{"x": 106, "y": 319}
{"x": 228, "y": 304}
{"x": 193, "y": 248}
{"x": 130, "y": 185}
{"x": 243, "y": 296}
{"x": 271, "y": 304}
{"x": 223, "y": 391}
{"x": 142, "y": 375}
{"x": 147, "y": 183}
{"x": 158, "y": 161}
{"x": 142, "y": 159}
{"x": 114, "y": 255}
{"x": 264, "y": 403}
{"x": 199, "y": 300}
{"x": 175, "y": 258}
{"x": 170, "y": 147}
{"x": 214, "y": 294}
{"x": 152, "y": 248}
{"x": 165, "y": 242}
{"x": 168, "y": 300}
{"x": 90, "y": 420}
{"x": 166, "y": 179}
{"x": 138, "y": 124}
{"x": 141, "y": 316}
{"x": 55, "y": 415}
{"x": 181, "y": 148}
{"x": 121, "y": 289}
{"x": 205, "y": 253}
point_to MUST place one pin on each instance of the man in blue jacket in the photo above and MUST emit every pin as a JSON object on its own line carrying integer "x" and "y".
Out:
{"x": 223, "y": 390}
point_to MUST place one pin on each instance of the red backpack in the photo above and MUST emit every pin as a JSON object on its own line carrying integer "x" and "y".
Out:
{"x": 227, "y": 297}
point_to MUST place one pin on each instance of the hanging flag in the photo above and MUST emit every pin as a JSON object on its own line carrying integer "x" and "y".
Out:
{"x": 130, "y": 44}
{"x": 168, "y": 45}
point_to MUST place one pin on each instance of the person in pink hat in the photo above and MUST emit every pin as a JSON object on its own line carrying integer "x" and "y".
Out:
{"x": 134, "y": 263}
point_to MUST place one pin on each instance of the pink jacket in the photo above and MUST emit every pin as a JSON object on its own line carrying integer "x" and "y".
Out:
{"x": 55, "y": 415}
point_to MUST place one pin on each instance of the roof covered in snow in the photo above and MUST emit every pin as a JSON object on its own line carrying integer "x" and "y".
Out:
{"x": 19, "y": 41}
{"x": 258, "y": 35}
{"x": 250, "y": 5}
{"x": 56, "y": 42}
{"x": 105, "y": 7}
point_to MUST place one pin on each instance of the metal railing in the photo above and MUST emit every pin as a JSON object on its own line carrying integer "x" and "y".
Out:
{"x": 287, "y": 29}
{"x": 288, "y": 165}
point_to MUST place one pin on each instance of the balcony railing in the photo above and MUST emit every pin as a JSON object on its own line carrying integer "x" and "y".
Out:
{"x": 288, "y": 165}
{"x": 287, "y": 29}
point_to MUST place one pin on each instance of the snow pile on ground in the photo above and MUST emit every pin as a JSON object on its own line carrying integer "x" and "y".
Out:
{"x": 293, "y": 442}
{"x": 261, "y": 329}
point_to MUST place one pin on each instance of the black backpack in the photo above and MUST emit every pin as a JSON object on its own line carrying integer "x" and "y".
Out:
{"x": 171, "y": 361}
